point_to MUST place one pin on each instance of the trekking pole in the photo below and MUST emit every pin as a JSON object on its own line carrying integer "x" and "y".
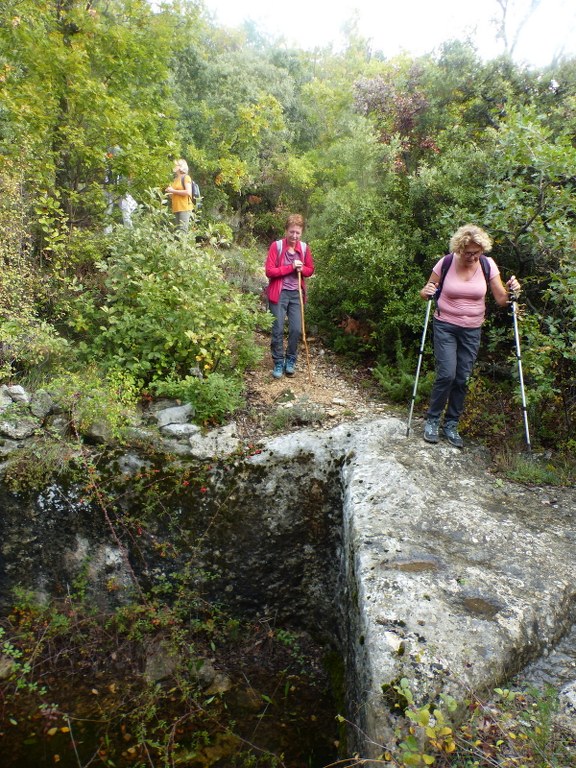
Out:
{"x": 304, "y": 326}
{"x": 520, "y": 375}
{"x": 420, "y": 355}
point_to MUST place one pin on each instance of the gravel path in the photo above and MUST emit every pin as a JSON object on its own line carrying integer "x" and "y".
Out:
{"x": 328, "y": 393}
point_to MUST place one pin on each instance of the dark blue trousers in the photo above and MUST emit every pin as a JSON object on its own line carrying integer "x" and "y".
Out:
{"x": 455, "y": 352}
{"x": 287, "y": 307}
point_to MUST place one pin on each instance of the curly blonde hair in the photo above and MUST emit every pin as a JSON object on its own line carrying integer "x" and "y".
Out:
{"x": 467, "y": 234}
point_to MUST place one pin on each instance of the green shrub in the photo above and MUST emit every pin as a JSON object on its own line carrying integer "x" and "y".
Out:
{"x": 166, "y": 309}
{"x": 297, "y": 413}
{"x": 91, "y": 399}
{"x": 27, "y": 340}
{"x": 364, "y": 269}
{"x": 28, "y": 345}
{"x": 397, "y": 380}
{"x": 214, "y": 397}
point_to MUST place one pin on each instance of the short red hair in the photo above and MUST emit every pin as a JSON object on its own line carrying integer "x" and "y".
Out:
{"x": 295, "y": 220}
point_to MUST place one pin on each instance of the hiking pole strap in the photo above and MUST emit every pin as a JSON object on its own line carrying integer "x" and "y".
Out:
{"x": 420, "y": 356}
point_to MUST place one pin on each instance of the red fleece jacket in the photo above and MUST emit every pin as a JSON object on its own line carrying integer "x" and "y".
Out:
{"x": 276, "y": 269}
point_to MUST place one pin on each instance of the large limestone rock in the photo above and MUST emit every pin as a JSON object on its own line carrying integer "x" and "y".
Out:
{"x": 411, "y": 558}
{"x": 452, "y": 579}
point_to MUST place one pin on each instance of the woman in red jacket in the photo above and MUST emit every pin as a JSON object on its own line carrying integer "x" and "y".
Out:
{"x": 287, "y": 259}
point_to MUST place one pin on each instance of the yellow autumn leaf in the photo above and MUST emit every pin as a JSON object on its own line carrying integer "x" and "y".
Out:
{"x": 52, "y": 731}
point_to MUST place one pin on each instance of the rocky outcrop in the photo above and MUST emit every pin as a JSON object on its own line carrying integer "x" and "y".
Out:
{"x": 412, "y": 558}
{"x": 451, "y": 579}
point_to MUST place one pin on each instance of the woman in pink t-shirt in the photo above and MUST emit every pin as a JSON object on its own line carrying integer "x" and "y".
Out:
{"x": 457, "y": 323}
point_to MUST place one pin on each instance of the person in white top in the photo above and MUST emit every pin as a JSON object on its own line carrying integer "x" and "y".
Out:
{"x": 460, "y": 290}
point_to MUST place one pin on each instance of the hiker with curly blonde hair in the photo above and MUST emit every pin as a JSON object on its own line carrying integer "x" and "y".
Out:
{"x": 459, "y": 284}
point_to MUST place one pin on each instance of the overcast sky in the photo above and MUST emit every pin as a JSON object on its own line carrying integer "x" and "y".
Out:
{"x": 415, "y": 26}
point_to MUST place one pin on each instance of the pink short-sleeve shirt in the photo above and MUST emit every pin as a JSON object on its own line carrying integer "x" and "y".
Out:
{"x": 462, "y": 302}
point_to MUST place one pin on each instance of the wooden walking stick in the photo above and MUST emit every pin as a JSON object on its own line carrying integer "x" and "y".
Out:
{"x": 304, "y": 326}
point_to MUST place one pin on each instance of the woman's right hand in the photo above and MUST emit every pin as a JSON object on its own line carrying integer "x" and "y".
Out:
{"x": 429, "y": 290}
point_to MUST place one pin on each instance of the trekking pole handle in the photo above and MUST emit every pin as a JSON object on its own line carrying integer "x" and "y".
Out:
{"x": 429, "y": 295}
{"x": 513, "y": 288}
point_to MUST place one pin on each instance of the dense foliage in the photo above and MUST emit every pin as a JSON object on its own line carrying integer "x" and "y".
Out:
{"x": 386, "y": 157}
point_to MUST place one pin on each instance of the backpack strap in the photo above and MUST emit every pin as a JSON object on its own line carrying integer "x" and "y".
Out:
{"x": 445, "y": 266}
{"x": 279, "y": 250}
{"x": 183, "y": 181}
{"x": 485, "y": 269}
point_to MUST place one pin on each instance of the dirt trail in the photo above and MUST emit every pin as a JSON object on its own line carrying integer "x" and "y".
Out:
{"x": 331, "y": 392}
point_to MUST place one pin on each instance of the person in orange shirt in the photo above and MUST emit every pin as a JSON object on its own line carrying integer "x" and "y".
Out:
{"x": 180, "y": 192}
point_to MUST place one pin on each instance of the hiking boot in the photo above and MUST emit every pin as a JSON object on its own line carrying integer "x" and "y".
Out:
{"x": 278, "y": 369}
{"x": 290, "y": 366}
{"x": 450, "y": 432}
{"x": 431, "y": 434}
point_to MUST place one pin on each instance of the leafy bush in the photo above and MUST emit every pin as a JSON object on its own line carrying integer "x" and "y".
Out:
{"x": 365, "y": 270}
{"x": 90, "y": 399}
{"x": 514, "y": 728}
{"x": 27, "y": 341}
{"x": 244, "y": 268}
{"x": 29, "y": 345}
{"x": 296, "y": 413}
{"x": 214, "y": 397}
{"x": 397, "y": 380}
{"x": 166, "y": 309}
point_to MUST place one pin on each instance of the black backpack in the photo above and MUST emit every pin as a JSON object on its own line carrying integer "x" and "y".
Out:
{"x": 196, "y": 196}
